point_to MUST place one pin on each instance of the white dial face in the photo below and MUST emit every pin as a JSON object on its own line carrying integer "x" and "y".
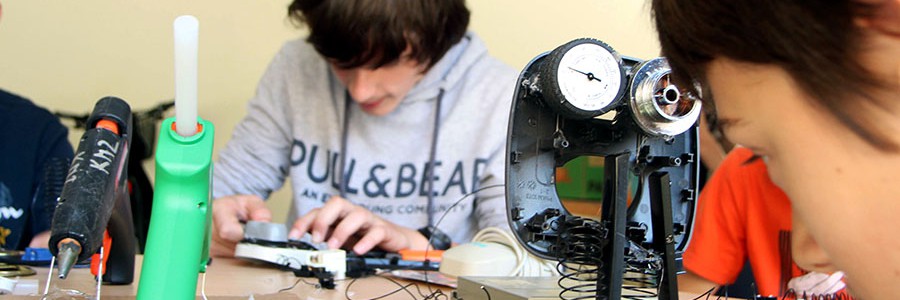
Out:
{"x": 589, "y": 77}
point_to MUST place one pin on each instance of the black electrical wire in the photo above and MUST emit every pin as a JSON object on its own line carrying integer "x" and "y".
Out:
{"x": 297, "y": 282}
{"x": 432, "y": 293}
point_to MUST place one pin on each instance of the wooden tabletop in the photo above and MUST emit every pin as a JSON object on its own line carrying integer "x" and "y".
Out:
{"x": 228, "y": 278}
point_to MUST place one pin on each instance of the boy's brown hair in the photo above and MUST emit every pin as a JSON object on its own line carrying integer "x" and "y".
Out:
{"x": 374, "y": 33}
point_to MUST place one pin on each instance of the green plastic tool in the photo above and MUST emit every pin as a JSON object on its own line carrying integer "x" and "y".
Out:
{"x": 178, "y": 241}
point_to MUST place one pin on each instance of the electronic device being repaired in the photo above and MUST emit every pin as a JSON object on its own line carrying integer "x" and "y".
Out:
{"x": 584, "y": 99}
{"x": 268, "y": 243}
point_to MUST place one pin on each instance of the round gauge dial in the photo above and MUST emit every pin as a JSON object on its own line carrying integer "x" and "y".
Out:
{"x": 583, "y": 78}
{"x": 658, "y": 106}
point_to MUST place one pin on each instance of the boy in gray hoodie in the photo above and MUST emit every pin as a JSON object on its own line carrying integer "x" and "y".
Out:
{"x": 385, "y": 118}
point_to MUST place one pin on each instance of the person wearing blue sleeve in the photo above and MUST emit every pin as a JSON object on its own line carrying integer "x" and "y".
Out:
{"x": 32, "y": 142}
{"x": 33, "y": 149}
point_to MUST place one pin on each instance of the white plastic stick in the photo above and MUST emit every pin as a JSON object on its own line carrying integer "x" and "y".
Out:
{"x": 186, "y": 36}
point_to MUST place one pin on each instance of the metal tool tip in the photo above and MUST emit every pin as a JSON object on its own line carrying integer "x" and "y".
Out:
{"x": 68, "y": 256}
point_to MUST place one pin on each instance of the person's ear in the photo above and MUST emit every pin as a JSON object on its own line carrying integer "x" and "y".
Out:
{"x": 884, "y": 18}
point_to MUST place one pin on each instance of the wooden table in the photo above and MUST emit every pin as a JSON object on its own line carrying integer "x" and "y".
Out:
{"x": 228, "y": 278}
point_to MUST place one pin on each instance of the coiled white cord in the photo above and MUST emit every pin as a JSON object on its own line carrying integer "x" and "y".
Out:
{"x": 526, "y": 264}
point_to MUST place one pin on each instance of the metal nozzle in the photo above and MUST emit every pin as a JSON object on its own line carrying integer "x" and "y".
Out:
{"x": 67, "y": 256}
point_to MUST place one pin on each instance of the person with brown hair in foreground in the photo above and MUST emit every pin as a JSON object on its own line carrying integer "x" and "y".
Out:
{"x": 813, "y": 88}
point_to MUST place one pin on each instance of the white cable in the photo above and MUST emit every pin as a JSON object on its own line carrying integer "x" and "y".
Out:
{"x": 496, "y": 235}
{"x": 49, "y": 276}
{"x": 526, "y": 264}
{"x": 100, "y": 271}
{"x": 203, "y": 288}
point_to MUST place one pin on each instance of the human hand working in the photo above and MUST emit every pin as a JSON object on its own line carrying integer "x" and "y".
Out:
{"x": 228, "y": 214}
{"x": 341, "y": 223}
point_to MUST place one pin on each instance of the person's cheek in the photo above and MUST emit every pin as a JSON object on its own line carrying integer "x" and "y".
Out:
{"x": 806, "y": 250}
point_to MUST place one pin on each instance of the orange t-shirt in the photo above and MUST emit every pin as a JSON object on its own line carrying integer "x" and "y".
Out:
{"x": 742, "y": 215}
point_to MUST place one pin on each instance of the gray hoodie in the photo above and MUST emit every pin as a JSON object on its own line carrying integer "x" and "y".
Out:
{"x": 294, "y": 128}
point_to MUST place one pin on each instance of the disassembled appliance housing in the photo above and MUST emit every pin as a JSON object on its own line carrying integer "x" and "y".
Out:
{"x": 584, "y": 99}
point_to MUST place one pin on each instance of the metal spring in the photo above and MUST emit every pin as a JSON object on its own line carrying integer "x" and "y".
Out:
{"x": 581, "y": 244}
{"x": 643, "y": 273}
{"x": 640, "y": 286}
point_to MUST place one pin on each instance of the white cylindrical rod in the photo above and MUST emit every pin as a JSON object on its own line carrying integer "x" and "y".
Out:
{"x": 186, "y": 36}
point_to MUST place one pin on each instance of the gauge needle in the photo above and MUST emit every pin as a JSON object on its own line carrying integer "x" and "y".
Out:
{"x": 589, "y": 75}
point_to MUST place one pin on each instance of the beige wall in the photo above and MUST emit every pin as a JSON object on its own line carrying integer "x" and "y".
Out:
{"x": 66, "y": 54}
